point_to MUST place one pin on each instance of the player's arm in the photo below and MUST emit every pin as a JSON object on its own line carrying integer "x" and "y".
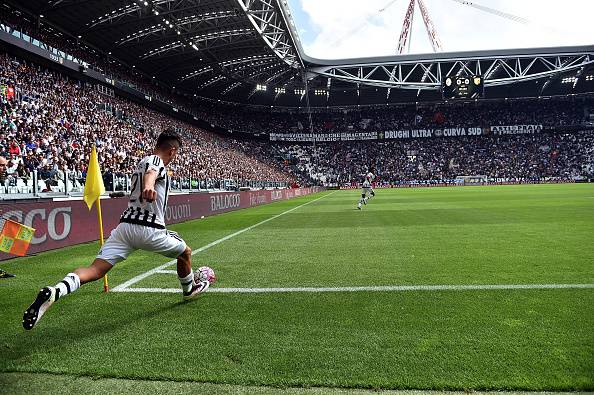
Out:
{"x": 154, "y": 169}
{"x": 148, "y": 192}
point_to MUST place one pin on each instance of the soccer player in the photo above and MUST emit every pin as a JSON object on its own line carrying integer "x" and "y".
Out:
{"x": 367, "y": 191}
{"x": 142, "y": 226}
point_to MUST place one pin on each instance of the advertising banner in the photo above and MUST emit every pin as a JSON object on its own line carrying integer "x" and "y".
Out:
{"x": 351, "y": 136}
{"x": 405, "y": 134}
{"x": 64, "y": 223}
{"x": 516, "y": 129}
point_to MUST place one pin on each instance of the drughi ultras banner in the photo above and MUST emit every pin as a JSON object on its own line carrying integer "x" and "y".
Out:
{"x": 404, "y": 134}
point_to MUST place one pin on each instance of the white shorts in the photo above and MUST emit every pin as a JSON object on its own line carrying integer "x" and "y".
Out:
{"x": 127, "y": 238}
{"x": 366, "y": 190}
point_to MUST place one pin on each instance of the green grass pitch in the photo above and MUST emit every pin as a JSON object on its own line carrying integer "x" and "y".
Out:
{"x": 481, "y": 339}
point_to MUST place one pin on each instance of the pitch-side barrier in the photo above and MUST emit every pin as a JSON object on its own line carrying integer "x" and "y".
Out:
{"x": 65, "y": 222}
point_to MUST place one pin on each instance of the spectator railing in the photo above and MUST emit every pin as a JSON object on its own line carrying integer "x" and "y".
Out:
{"x": 71, "y": 183}
{"x": 41, "y": 44}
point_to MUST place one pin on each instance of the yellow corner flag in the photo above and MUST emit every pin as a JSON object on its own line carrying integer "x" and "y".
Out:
{"x": 94, "y": 182}
{"x": 93, "y": 189}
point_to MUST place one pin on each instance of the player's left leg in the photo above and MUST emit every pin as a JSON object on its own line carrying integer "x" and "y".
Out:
{"x": 170, "y": 244}
{"x": 190, "y": 288}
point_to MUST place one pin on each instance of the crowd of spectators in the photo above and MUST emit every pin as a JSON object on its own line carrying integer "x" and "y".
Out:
{"x": 49, "y": 123}
{"x": 547, "y": 112}
{"x": 258, "y": 120}
{"x": 564, "y": 156}
{"x": 104, "y": 63}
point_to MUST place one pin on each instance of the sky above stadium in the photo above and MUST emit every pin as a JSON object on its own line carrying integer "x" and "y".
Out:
{"x": 335, "y": 29}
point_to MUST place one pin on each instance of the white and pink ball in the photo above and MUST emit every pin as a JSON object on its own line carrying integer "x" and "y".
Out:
{"x": 205, "y": 273}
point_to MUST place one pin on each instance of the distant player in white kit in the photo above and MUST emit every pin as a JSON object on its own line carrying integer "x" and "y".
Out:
{"x": 142, "y": 226}
{"x": 367, "y": 191}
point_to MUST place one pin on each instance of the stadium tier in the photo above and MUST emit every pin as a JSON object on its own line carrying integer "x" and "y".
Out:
{"x": 49, "y": 122}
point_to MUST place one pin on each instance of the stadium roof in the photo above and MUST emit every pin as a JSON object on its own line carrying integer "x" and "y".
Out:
{"x": 248, "y": 51}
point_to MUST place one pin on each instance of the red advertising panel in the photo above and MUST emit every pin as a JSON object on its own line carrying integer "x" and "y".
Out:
{"x": 64, "y": 223}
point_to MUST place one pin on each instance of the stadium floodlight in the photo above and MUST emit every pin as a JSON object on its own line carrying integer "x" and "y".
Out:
{"x": 260, "y": 87}
{"x": 145, "y": 3}
{"x": 156, "y": 12}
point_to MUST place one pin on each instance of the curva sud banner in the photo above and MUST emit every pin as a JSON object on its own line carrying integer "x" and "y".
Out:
{"x": 405, "y": 134}
{"x": 64, "y": 223}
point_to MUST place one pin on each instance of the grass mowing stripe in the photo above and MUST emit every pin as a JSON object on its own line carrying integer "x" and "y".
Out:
{"x": 31, "y": 383}
{"x": 388, "y": 288}
{"x": 140, "y": 277}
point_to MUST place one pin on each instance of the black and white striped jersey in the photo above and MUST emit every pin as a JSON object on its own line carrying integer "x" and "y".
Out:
{"x": 140, "y": 211}
{"x": 369, "y": 177}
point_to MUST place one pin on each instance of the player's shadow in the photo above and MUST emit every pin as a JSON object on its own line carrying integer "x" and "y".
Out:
{"x": 45, "y": 339}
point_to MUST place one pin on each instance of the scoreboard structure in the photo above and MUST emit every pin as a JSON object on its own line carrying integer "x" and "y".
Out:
{"x": 462, "y": 87}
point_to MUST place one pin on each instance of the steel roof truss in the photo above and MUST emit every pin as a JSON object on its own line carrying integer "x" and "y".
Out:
{"x": 498, "y": 70}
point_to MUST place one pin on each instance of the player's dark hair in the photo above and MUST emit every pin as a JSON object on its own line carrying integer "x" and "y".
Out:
{"x": 169, "y": 138}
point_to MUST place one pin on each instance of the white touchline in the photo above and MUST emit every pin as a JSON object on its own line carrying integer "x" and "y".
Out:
{"x": 384, "y": 288}
{"x": 123, "y": 287}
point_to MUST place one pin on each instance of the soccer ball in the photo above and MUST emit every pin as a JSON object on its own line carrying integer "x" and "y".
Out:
{"x": 205, "y": 273}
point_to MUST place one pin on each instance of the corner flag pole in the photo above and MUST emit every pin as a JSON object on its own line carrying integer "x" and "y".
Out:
{"x": 105, "y": 283}
{"x": 93, "y": 189}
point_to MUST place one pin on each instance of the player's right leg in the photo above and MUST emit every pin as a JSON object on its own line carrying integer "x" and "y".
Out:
{"x": 362, "y": 200}
{"x": 116, "y": 248}
{"x": 48, "y": 295}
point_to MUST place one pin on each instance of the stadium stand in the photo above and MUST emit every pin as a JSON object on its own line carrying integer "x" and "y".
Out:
{"x": 50, "y": 122}
{"x": 87, "y": 55}
{"x": 515, "y": 158}
{"x": 549, "y": 113}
